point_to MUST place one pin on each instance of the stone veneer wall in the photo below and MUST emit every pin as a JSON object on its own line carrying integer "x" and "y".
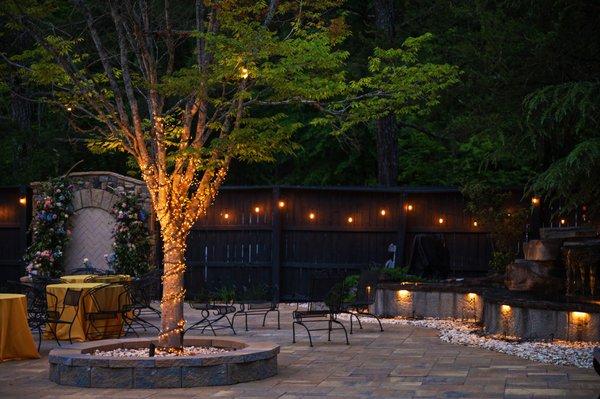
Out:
{"x": 526, "y": 319}
{"x": 413, "y": 303}
{"x": 94, "y": 194}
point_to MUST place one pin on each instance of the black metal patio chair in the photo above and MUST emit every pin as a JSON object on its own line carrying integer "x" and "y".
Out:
{"x": 89, "y": 270}
{"x": 104, "y": 319}
{"x": 57, "y": 309}
{"x": 37, "y": 306}
{"x": 257, "y": 304}
{"x": 213, "y": 316}
{"x": 316, "y": 314}
{"x": 364, "y": 297}
{"x": 132, "y": 302}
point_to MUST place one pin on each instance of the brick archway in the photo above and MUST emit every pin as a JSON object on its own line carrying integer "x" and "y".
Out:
{"x": 92, "y": 227}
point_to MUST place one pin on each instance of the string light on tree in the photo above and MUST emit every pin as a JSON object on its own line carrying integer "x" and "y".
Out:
{"x": 535, "y": 201}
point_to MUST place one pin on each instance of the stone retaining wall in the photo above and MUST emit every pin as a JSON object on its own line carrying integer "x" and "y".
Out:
{"x": 419, "y": 304}
{"x": 77, "y": 366}
{"x": 540, "y": 324}
{"x": 515, "y": 317}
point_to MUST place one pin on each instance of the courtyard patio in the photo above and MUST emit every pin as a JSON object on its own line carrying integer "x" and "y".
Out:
{"x": 401, "y": 362}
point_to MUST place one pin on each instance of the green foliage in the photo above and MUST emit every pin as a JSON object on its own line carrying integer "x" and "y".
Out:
{"x": 350, "y": 287}
{"x": 225, "y": 294}
{"x": 50, "y": 229}
{"x": 564, "y": 124}
{"x": 399, "y": 274}
{"x": 131, "y": 247}
{"x": 498, "y": 212}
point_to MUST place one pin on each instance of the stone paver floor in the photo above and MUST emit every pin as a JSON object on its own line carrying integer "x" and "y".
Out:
{"x": 402, "y": 362}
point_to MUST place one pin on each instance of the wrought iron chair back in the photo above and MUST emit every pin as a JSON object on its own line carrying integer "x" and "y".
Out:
{"x": 56, "y": 311}
{"x": 104, "y": 319}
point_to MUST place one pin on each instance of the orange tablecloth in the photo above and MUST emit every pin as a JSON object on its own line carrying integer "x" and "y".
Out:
{"x": 81, "y": 278}
{"x": 16, "y": 341}
{"x": 109, "y": 299}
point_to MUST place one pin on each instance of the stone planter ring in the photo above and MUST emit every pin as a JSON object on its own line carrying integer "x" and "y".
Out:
{"x": 78, "y": 366}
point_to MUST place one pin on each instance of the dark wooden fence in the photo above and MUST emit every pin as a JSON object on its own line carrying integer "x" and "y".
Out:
{"x": 14, "y": 217}
{"x": 280, "y": 236}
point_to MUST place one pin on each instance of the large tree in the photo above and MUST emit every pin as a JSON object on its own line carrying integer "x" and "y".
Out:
{"x": 184, "y": 89}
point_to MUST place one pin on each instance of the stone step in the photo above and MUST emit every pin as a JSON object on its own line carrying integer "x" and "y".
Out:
{"x": 550, "y": 233}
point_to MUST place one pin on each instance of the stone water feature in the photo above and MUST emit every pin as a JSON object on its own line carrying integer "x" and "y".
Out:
{"x": 543, "y": 271}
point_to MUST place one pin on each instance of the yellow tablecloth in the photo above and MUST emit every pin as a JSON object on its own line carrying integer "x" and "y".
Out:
{"x": 81, "y": 278}
{"x": 108, "y": 298}
{"x": 16, "y": 341}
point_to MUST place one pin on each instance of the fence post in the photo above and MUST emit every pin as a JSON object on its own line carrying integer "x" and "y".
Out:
{"x": 275, "y": 244}
{"x": 401, "y": 231}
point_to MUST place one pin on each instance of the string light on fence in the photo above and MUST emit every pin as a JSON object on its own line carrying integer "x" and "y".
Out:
{"x": 281, "y": 204}
{"x": 441, "y": 221}
{"x": 350, "y": 219}
{"x": 475, "y": 224}
{"x": 382, "y": 212}
{"x": 312, "y": 216}
{"x": 410, "y": 207}
{"x": 225, "y": 216}
{"x": 257, "y": 209}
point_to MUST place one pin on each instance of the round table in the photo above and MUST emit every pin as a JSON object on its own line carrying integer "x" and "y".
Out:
{"x": 92, "y": 278}
{"x": 16, "y": 341}
{"x": 108, "y": 298}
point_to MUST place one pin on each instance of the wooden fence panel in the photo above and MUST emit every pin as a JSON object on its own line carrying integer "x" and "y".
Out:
{"x": 339, "y": 230}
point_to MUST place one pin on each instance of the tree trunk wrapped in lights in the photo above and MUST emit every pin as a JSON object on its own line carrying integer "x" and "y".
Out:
{"x": 184, "y": 90}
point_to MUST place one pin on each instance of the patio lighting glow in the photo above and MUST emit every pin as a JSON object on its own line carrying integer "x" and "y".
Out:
{"x": 23, "y": 200}
{"x": 471, "y": 296}
{"x": 350, "y": 219}
{"x": 311, "y": 216}
{"x": 563, "y": 221}
{"x": 226, "y": 216}
{"x": 535, "y": 200}
{"x": 281, "y": 204}
{"x": 580, "y": 316}
{"x": 475, "y": 223}
{"x": 403, "y": 294}
{"x": 382, "y": 212}
{"x": 505, "y": 309}
{"x": 409, "y": 207}
{"x": 441, "y": 220}
{"x": 257, "y": 209}
{"x": 244, "y": 72}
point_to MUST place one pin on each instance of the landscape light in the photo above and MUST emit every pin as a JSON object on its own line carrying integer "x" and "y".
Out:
{"x": 563, "y": 221}
{"x": 23, "y": 200}
{"x": 505, "y": 309}
{"x": 535, "y": 200}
